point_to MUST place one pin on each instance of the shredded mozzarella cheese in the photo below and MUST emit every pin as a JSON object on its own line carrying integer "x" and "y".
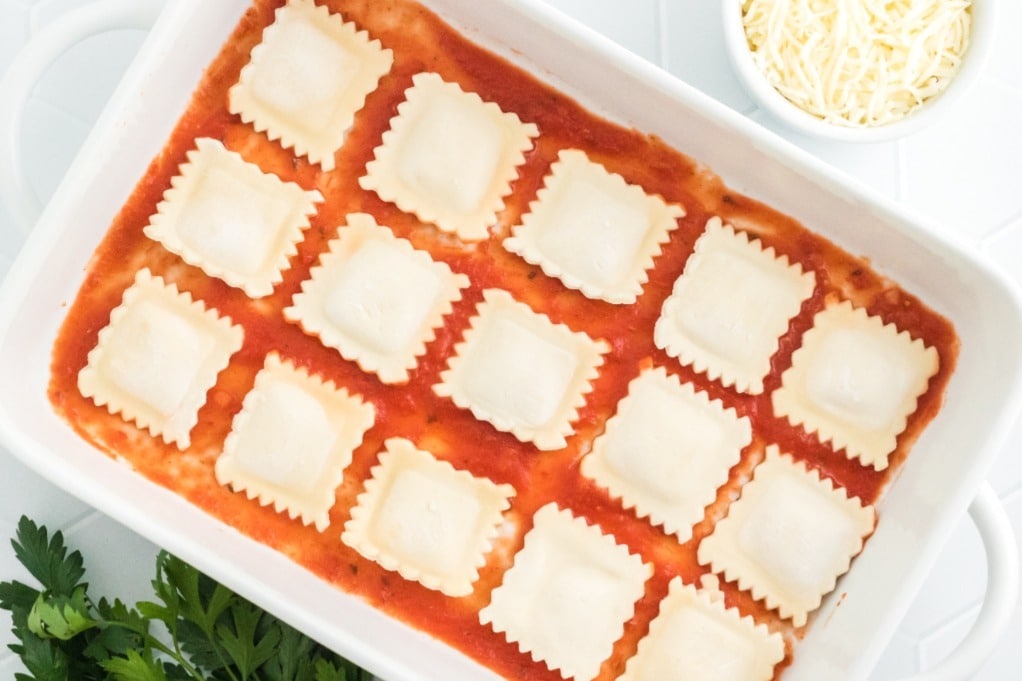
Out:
{"x": 858, "y": 62}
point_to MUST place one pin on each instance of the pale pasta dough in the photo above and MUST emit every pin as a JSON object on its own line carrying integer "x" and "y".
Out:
{"x": 695, "y": 637}
{"x": 232, "y": 220}
{"x": 292, "y": 440}
{"x": 730, "y": 306}
{"x": 376, "y": 299}
{"x": 449, "y": 157}
{"x": 789, "y": 537}
{"x": 667, "y": 450}
{"x": 521, "y": 372}
{"x": 854, "y": 382}
{"x": 307, "y": 79}
{"x": 425, "y": 519}
{"x": 568, "y": 595}
{"x": 158, "y": 357}
{"x": 592, "y": 230}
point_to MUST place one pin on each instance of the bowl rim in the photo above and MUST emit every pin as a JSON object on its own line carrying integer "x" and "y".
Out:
{"x": 982, "y": 37}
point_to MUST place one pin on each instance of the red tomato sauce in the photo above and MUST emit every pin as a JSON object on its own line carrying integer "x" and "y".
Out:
{"x": 421, "y": 41}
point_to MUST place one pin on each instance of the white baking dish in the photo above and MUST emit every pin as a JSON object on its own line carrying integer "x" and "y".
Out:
{"x": 933, "y": 489}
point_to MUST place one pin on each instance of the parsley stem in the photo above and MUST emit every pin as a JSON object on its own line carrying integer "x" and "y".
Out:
{"x": 149, "y": 641}
{"x": 201, "y": 626}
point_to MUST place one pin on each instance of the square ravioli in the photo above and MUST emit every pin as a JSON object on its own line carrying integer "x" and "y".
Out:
{"x": 854, "y": 382}
{"x": 376, "y": 299}
{"x": 232, "y": 220}
{"x": 695, "y": 637}
{"x": 158, "y": 357}
{"x": 789, "y": 537}
{"x": 426, "y": 520}
{"x": 292, "y": 440}
{"x": 730, "y": 307}
{"x": 307, "y": 79}
{"x": 521, "y": 372}
{"x": 568, "y": 595}
{"x": 667, "y": 450}
{"x": 449, "y": 157}
{"x": 592, "y": 230}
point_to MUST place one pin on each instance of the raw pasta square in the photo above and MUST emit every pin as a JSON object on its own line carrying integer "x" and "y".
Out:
{"x": 426, "y": 520}
{"x": 307, "y": 79}
{"x": 854, "y": 382}
{"x": 568, "y": 595}
{"x": 158, "y": 357}
{"x": 449, "y": 157}
{"x": 292, "y": 440}
{"x": 521, "y": 372}
{"x": 376, "y": 299}
{"x": 695, "y": 637}
{"x": 667, "y": 450}
{"x": 592, "y": 230}
{"x": 789, "y": 537}
{"x": 232, "y": 220}
{"x": 730, "y": 307}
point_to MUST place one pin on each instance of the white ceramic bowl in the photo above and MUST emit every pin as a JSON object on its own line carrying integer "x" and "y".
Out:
{"x": 981, "y": 41}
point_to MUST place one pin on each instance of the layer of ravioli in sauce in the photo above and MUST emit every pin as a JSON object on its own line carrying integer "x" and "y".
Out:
{"x": 535, "y": 383}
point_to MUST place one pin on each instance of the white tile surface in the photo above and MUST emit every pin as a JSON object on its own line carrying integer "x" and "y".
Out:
{"x": 56, "y": 136}
{"x": 967, "y": 172}
{"x": 694, "y": 51}
{"x": 75, "y": 85}
{"x": 932, "y": 609}
{"x": 45, "y": 11}
{"x": 14, "y": 28}
{"x": 1006, "y": 60}
{"x": 875, "y": 165}
{"x": 638, "y": 28}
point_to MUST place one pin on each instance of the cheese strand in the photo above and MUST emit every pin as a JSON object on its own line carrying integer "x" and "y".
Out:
{"x": 858, "y": 62}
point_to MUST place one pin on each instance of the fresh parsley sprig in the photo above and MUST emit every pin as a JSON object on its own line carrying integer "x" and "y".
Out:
{"x": 195, "y": 630}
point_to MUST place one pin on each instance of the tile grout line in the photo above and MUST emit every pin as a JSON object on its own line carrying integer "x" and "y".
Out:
{"x": 662, "y": 35}
{"x": 33, "y": 20}
{"x": 1017, "y": 89}
{"x": 902, "y": 158}
{"x": 1011, "y": 493}
{"x": 999, "y": 229}
{"x": 59, "y": 109}
{"x": 972, "y": 609}
{"x": 87, "y": 517}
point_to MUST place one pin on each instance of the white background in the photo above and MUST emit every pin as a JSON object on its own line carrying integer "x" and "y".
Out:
{"x": 966, "y": 172}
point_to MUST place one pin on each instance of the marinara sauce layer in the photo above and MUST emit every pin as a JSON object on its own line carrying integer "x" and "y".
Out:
{"x": 421, "y": 41}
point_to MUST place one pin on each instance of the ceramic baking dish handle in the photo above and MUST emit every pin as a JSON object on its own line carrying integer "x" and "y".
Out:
{"x": 1001, "y": 596}
{"x": 19, "y": 81}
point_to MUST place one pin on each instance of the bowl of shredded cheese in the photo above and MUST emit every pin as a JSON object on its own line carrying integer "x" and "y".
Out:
{"x": 858, "y": 70}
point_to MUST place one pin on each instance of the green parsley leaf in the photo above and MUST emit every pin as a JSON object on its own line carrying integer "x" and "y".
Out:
{"x": 62, "y": 617}
{"x": 239, "y": 640}
{"x": 18, "y": 599}
{"x": 294, "y": 660}
{"x": 327, "y": 671}
{"x": 135, "y": 667}
{"x": 212, "y": 634}
{"x": 44, "y": 659}
{"x": 121, "y": 629}
{"x": 15, "y": 595}
{"x": 47, "y": 559}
